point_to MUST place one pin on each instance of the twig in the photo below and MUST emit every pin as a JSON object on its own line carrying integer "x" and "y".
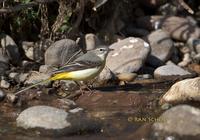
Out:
{"x": 185, "y": 6}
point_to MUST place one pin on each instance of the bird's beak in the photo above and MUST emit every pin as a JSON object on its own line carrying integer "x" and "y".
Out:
{"x": 109, "y": 49}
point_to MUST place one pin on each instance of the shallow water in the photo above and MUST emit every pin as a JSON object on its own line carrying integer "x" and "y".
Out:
{"x": 126, "y": 112}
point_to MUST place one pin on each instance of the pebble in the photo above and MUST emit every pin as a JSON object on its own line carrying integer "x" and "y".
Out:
{"x": 11, "y": 98}
{"x": 46, "y": 69}
{"x": 4, "y": 84}
{"x": 183, "y": 91}
{"x": 13, "y": 75}
{"x": 176, "y": 120}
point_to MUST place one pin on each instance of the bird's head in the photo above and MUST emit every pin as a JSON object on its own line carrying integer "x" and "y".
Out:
{"x": 102, "y": 51}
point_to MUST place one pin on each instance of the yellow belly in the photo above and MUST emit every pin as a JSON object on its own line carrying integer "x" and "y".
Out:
{"x": 80, "y": 75}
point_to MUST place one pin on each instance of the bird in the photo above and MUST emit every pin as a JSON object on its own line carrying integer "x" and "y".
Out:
{"x": 85, "y": 67}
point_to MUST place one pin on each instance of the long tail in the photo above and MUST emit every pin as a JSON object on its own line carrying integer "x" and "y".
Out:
{"x": 31, "y": 86}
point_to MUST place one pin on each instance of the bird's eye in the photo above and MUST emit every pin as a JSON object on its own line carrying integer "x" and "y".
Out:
{"x": 101, "y": 49}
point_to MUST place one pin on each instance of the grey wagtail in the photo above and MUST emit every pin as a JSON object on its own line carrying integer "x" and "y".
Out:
{"x": 83, "y": 68}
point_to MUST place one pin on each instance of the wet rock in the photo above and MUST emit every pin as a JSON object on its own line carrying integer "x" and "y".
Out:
{"x": 4, "y": 84}
{"x": 182, "y": 91}
{"x": 161, "y": 48}
{"x": 56, "y": 121}
{"x": 60, "y": 51}
{"x": 180, "y": 28}
{"x": 175, "y": 121}
{"x": 170, "y": 71}
{"x": 10, "y": 49}
{"x": 2, "y": 95}
{"x": 128, "y": 55}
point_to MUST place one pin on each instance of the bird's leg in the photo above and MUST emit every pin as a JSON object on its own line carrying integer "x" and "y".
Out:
{"x": 85, "y": 86}
{"x": 80, "y": 87}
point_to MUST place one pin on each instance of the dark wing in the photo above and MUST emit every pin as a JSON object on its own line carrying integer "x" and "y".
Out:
{"x": 77, "y": 65}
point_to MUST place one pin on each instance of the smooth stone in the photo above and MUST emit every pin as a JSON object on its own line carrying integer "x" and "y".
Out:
{"x": 128, "y": 55}
{"x": 12, "y": 50}
{"x": 161, "y": 48}
{"x": 183, "y": 91}
{"x": 170, "y": 71}
{"x": 181, "y": 120}
{"x": 180, "y": 28}
{"x": 53, "y": 121}
{"x": 60, "y": 52}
